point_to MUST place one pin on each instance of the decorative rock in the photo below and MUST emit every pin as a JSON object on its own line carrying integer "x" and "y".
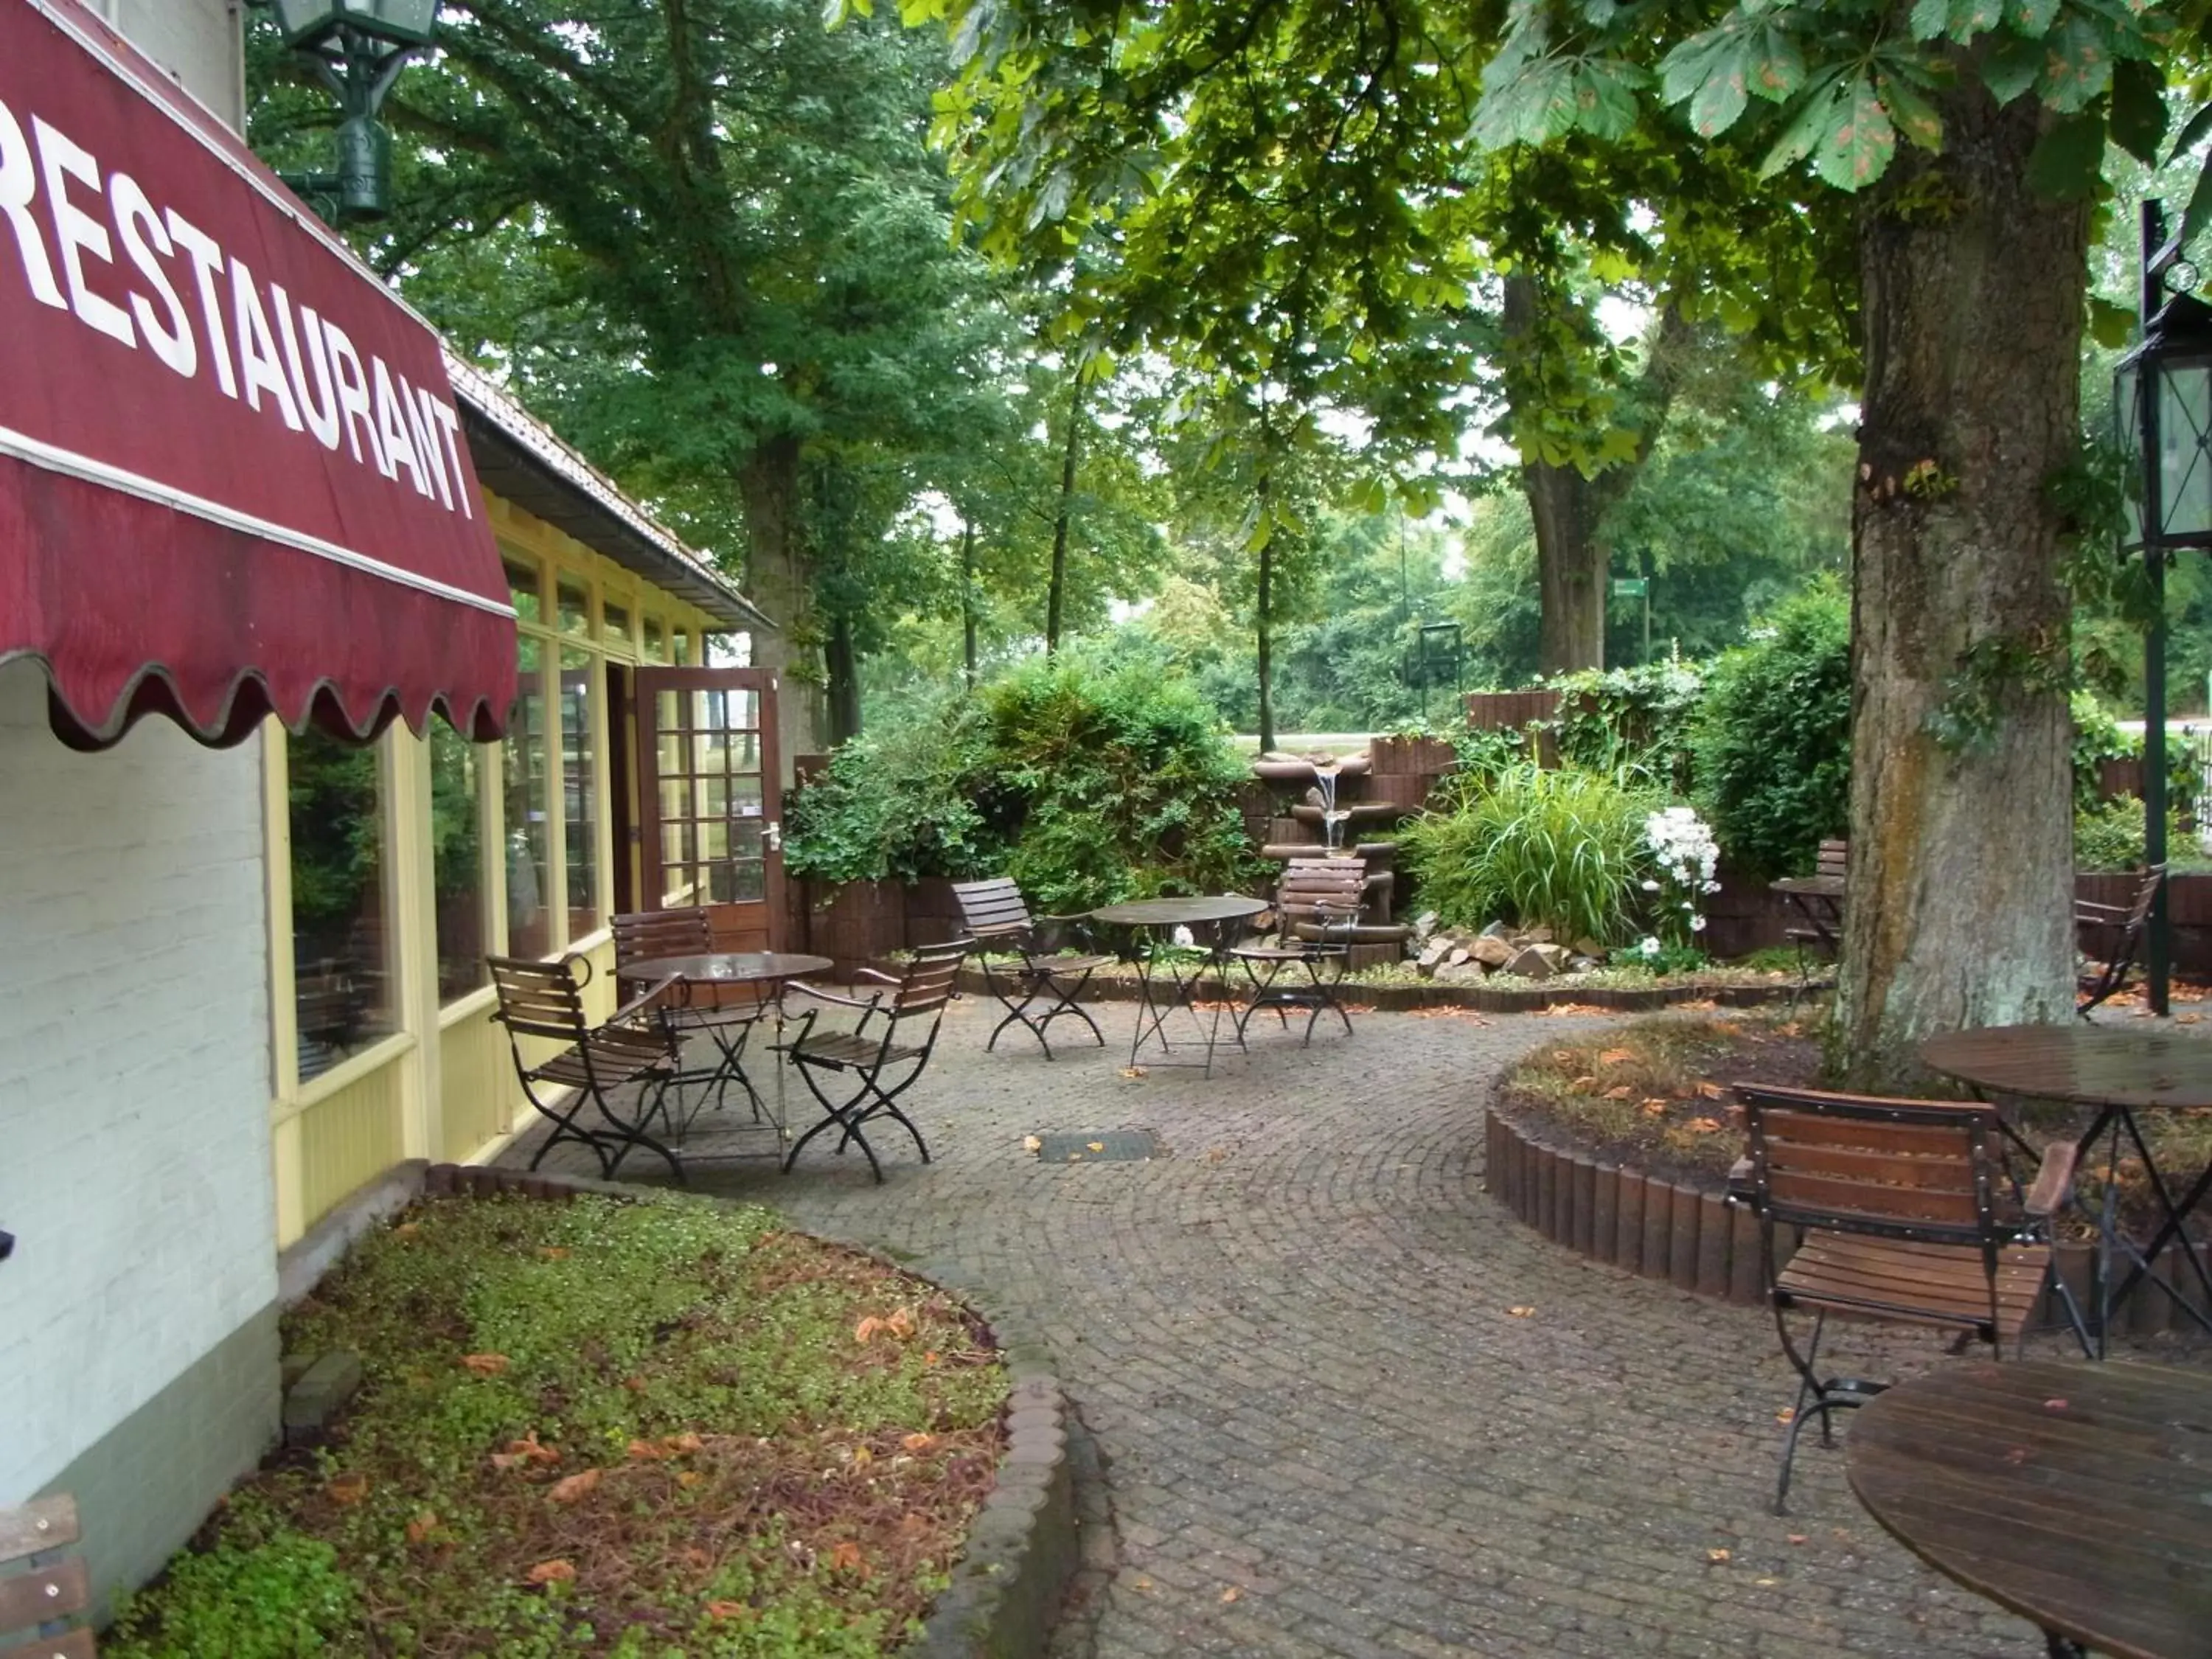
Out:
{"x": 1531, "y": 962}
{"x": 1461, "y": 973}
{"x": 1425, "y": 923}
{"x": 1554, "y": 954}
{"x": 1433, "y": 954}
{"x": 1456, "y": 955}
{"x": 1496, "y": 930}
{"x": 1537, "y": 935}
{"x": 1493, "y": 950}
{"x": 1586, "y": 947}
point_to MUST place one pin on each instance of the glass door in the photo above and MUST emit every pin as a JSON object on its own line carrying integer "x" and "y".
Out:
{"x": 710, "y": 808}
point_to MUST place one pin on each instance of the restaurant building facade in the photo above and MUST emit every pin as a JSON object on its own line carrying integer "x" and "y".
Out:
{"x": 325, "y": 671}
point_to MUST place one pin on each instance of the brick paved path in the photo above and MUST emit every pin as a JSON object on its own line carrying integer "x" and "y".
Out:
{"x": 1324, "y": 1431}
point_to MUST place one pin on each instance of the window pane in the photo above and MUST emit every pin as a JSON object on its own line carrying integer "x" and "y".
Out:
{"x": 656, "y": 644}
{"x": 615, "y": 619}
{"x": 680, "y": 647}
{"x": 575, "y": 610}
{"x": 580, "y": 810}
{"x": 342, "y": 977}
{"x": 457, "y": 860}
{"x": 529, "y": 831}
{"x": 522, "y": 588}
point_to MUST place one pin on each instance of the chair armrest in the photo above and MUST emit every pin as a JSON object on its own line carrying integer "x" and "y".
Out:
{"x": 803, "y": 988}
{"x": 2090, "y": 910}
{"x": 2053, "y": 1180}
{"x": 643, "y": 1003}
{"x": 876, "y": 974}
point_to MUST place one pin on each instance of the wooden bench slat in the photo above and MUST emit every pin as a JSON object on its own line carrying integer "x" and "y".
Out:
{"x": 44, "y": 1523}
{"x": 33, "y": 1598}
{"x": 75, "y": 1645}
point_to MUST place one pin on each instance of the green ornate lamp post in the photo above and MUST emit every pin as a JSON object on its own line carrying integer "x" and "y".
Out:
{"x": 2162, "y": 401}
{"x": 358, "y": 48}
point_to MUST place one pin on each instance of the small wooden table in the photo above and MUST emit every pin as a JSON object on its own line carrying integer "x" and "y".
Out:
{"x": 720, "y": 968}
{"x": 2119, "y": 1073}
{"x": 2077, "y": 1496}
{"x": 1159, "y": 918}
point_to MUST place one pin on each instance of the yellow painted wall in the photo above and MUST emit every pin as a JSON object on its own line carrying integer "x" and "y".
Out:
{"x": 444, "y": 1087}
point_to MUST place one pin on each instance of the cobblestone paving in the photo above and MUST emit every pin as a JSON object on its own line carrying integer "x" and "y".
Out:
{"x": 1343, "y": 1404}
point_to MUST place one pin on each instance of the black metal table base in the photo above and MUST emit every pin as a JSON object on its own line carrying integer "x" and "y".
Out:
{"x": 1153, "y": 1013}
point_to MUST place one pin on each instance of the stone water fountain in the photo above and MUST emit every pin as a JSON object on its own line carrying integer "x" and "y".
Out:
{"x": 1319, "y": 805}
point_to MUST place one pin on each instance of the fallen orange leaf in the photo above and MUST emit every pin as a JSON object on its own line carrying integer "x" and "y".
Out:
{"x": 682, "y": 1443}
{"x": 407, "y": 1230}
{"x": 570, "y": 1488}
{"x": 1716, "y": 1556}
{"x": 846, "y": 1557}
{"x": 484, "y": 1364}
{"x": 901, "y": 1324}
{"x": 1031, "y": 1143}
{"x": 1585, "y": 1081}
{"x": 864, "y": 1332}
{"x": 550, "y": 1573}
{"x": 929, "y": 1357}
{"x": 645, "y": 1450}
{"x": 1521, "y": 1313}
{"x": 422, "y": 1527}
{"x": 553, "y": 1252}
{"x": 1618, "y": 1091}
{"x": 1712, "y": 1091}
{"x": 1653, "y": 1105}
{"x": 1614, "y": 1056}
{"x": 919, "y": 1442}
{"x": 348, "y": 1488}
{"x": 1786, "y": 1414}
{"x": 1704, "y": 1126}
{"x": 1232, "y": 1594}
{"x": 689, "y": 1479}
{"x": 1796, "y": 1538}
{"x": 728, "y": 1610}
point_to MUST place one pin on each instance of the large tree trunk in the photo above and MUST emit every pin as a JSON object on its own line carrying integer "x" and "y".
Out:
{"x": 1055, "y": 591}
{"x": 1961, "y": 852}
{"x": 779, "y": 579}
{"x": 968, "y": 602}
{"x": 1264, "y": 645}
{"x": 843, "y": 666}
{"x": 1572, "y": 566}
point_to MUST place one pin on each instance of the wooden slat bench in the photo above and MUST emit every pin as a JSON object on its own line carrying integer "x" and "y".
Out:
{"x": 43, "y": 1593}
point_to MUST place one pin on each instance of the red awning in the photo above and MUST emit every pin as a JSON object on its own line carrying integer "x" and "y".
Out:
{"x": 232, "y": 479}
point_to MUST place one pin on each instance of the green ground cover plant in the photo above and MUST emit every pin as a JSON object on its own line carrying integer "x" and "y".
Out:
{"x": 659, "y": 1429}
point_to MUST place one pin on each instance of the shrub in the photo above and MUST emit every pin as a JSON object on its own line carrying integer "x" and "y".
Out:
{"x": 1563, "y": 848}
{"x": 1632, "y": 719}
{"x": 2109, "y": 835}
{"x": 1087, "y": 784}
{"x": 898, "y": 802}
{"x": 1773, "y": 740}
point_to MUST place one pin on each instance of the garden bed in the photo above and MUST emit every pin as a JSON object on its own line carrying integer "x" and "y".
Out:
{"x": 1619, "y": 1146}
{"x": 603, "y": 1427}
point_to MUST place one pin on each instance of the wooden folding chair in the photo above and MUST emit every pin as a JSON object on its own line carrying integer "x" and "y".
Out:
{"x": 1906, "y": 1215}
{"x": 1820, "y": 938}
{"x": 998, "y": 919}
{"x": 881, "y": 1056}
{"x": 634, "y": 1048}
{"x": 1315, "y": 896}
{"x": 41, "y": 1604}
{"x": 2107, "y": 976}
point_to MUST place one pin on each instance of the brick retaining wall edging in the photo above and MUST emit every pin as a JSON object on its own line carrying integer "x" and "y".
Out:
{"x": 1022, "y": 1547}
{"x": 1695, "y": 1240}
{"x": 1402, "y": 998}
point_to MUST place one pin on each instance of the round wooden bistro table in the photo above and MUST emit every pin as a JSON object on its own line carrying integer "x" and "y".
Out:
{"x": 2078, "y": 1496}
{"x": 720, "y": 968}
{"x": 2119, "y": 1073}
{"x": 1211, "y": 919}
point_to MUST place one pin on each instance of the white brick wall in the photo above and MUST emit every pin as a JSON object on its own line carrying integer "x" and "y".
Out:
{"x": 196, "y": 41}
{"x": 134, "y": 1088}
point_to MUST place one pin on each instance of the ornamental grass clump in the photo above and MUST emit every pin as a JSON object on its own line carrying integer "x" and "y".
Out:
{"x": 1561, "y": 848}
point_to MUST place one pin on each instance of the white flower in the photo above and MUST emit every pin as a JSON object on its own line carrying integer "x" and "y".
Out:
{"x": 1650, "y": 886}
{"x": 1650, "y": 947}
{"x": 1697, "y": 924}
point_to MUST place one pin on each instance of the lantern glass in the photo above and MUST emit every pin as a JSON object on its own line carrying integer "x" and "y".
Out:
{"x": 2180, "y": 377}
{"x": 401, "y": 22}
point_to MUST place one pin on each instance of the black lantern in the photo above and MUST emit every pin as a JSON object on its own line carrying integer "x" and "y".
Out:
{"x": 357, "y": 48}
{"x": 2162, "y": 405}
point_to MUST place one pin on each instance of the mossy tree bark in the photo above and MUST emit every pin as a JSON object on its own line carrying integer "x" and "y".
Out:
{"x": 1961, "y": 852}
{"x": 779, "y": 579}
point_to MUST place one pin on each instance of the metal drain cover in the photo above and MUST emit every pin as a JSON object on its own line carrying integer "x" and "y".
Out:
{"x": 1099, "y": 1146}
